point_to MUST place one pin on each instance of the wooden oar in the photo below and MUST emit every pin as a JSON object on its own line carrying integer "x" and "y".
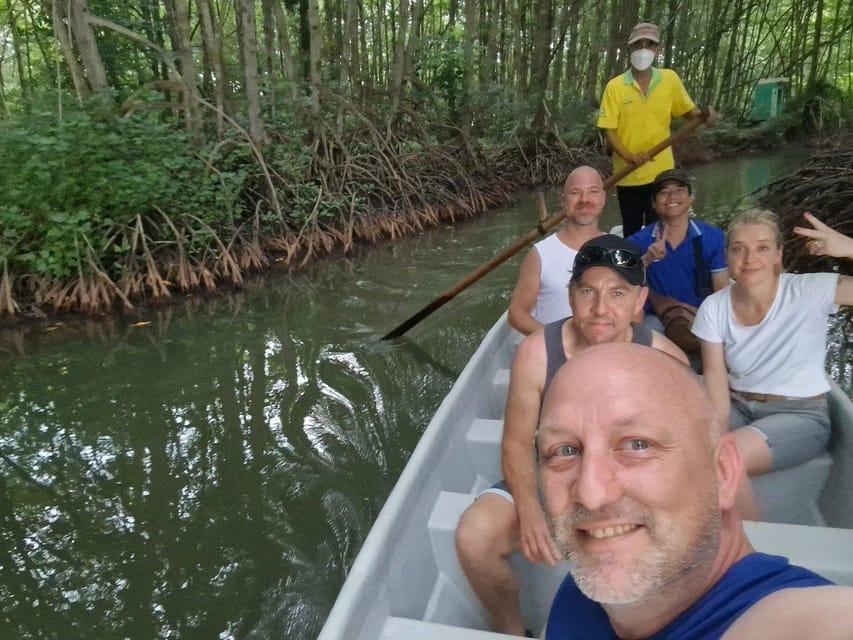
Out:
{"x": 541, "y": 230}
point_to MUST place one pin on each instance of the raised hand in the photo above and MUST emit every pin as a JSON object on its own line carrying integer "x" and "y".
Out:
{"x": 657, "y": 250}
{"x": 823, "y": 240}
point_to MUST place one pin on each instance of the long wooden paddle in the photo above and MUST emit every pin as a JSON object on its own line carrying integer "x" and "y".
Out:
{"x": 541, "y": 230}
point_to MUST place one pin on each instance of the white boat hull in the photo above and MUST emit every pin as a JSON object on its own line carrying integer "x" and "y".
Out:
{"x": 406, "y": 581}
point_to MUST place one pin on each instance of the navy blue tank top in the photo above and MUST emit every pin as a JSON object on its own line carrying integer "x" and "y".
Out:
{"x": 573, "y": 616}
{"x": 556, "y": 354}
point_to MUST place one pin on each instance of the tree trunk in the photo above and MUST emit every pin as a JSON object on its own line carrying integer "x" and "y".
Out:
{"x": 729, "y": 63}
{"x": 44, "y": 42}
{"x": 84, "y": 36}
{"x": 669, "y": 33}
{"x": 491, "y": 28}
{"x": 212, "y": 44}
{"x": 566, "y": 64}
{"x": 814, "y": 62}
{"x": 365, "y": 74}
{"x": 249, "y": 47}
{"x": 542, "y": 25}
{"x": 399, "y": 65}
{"x": 285, "y": 49}
{"x": 269, "y": 65}
{"x": 351, "y": 63}
{"x": 305, "y": 37}
{"x": 349, "y": 51}
{"x": 597, "y": 43}
{"x": 314, "y": 78}
{"x": 152, "y": 28}
{"x": 615, "y": 38}
{"x": 178, "y": 13}
{"x": 4, "y": 110}
{"x": 503, "y": 73}
{"x": 521, "y": 48}
{"x": 18, "y": 50}
{"x": 467, "y": 111}
{"x": 62, "y": 31}
{"x": 413, "y": 46}
{"x": 377, "y": 27}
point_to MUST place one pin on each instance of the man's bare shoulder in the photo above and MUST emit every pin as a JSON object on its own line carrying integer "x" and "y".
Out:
{"x": 531, "y": 351}
{"x": 524, "y": 397}
{"x": 662, "y": 343}
{"x": 817, "y": 613}
{"x": 529, "y": 368}
{"x": 524, "y": 295}
{"x": 532, "y": 263}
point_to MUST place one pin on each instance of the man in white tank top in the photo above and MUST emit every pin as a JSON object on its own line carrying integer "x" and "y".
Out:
{"x": 541, "y": 294}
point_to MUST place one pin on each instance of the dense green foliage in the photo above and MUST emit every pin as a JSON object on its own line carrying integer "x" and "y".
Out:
{"x": 150, "y": 146}
{"x": 72, "y": 184}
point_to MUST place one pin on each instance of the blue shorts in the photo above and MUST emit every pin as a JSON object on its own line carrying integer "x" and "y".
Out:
{"x": 795, "y": 430}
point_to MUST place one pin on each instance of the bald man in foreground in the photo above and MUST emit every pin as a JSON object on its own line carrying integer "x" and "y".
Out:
{"x": 639, "y": 488}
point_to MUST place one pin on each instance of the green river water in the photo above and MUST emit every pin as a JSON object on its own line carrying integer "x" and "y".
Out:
{"x": 212, "y": 474}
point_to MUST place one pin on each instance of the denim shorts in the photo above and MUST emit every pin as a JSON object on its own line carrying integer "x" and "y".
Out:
{"x": 795, "y": 430}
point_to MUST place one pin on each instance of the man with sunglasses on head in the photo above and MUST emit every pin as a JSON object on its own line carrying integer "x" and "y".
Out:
{"x": 636, "y": 111}
{"x": 607, "y": 289}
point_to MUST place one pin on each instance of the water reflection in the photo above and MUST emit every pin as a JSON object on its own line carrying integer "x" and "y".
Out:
{"x": 213, "y": 474}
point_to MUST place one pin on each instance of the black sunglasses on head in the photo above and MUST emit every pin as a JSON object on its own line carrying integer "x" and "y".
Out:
{"x": 616, "y": 257}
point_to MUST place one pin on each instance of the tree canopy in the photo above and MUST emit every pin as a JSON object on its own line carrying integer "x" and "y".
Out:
{"x": 254, "y": 59}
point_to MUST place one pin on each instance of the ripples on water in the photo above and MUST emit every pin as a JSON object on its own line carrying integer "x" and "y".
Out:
{"x": 213, "y": 474}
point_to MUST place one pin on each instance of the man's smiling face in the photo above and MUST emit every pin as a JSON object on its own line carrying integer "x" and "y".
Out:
{"x": 629, "y": 483}
{"x": 674, "y": 199}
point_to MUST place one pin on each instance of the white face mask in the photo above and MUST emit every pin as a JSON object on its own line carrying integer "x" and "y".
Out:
{"x": 642, "y": 59}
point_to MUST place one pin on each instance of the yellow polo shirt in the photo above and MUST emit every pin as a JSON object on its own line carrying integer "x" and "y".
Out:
{"x": 642, "y": 121}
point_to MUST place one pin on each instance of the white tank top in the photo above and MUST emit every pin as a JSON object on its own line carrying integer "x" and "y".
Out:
{"x": 556, "y": 261}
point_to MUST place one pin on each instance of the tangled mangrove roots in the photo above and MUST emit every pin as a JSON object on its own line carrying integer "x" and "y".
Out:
{"x": 368, "y": 187}
{"x": 824, "y": 186}
{"x": 155, "y": 263}
{"x": 410, "y": 192}
{"x": 547, "y": 161}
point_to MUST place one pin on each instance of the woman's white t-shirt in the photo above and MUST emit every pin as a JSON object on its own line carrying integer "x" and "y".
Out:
{"x": 784, "y": 354}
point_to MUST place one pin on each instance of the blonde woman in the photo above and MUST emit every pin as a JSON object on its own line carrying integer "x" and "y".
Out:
{"x": 764, "y": 342}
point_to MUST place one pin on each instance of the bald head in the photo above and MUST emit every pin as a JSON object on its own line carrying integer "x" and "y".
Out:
{"x": 638, "y": 485}
{"x": 635, "y": 376}
{"x": 583, "y": 196}
{"x": 582, "y": 174}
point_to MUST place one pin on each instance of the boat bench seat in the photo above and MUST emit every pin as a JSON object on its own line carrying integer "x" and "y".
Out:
{"x": 500, "y": 384}
{"x": 484, "y": 444}
{"x": 452, "y": 601}
{"x": 791, "y": 495}
{"x": 825, "y": 550}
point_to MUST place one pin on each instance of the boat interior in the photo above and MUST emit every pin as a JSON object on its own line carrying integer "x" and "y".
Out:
{"x": 407, "y": 581}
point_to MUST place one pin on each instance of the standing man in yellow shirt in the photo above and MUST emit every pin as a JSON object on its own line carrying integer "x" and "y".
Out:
{"x": 636, "y": 112}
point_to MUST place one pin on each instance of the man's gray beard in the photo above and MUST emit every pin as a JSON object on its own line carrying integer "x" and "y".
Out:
{"x": 663, "y": 565}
